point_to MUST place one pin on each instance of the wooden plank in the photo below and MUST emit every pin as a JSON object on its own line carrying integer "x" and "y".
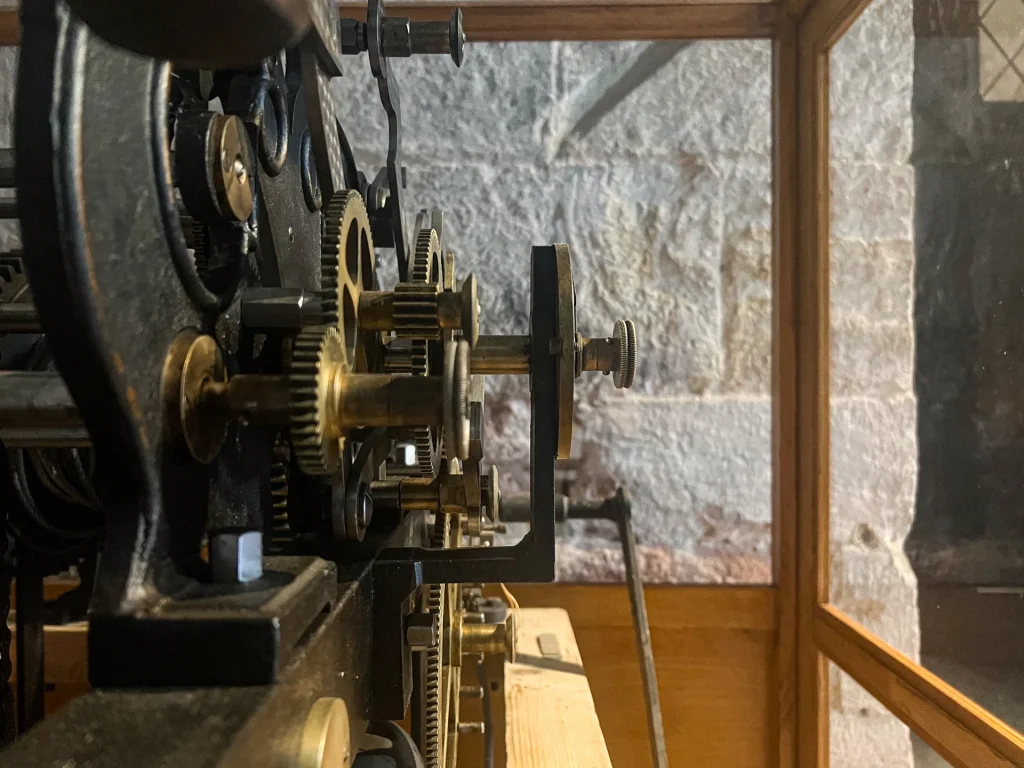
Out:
{"x": 66, "y": 653}
{"x": 962, "y": 732}
{"x": 715, "y": 676}
{"x": 348, "y": 6}
{"x": 784, "y": 392}
{"x": 515, "y": 22}
{"x": 668, "y": 607}
{"x": 549, "y": 712}
{"x": 825, "y": 21}
{"x": 812, "y": 304}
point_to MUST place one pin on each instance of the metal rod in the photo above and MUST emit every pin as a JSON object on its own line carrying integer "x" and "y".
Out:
{"x": 36, "y": 411}
{"x": 616, "y": 508}
{"x": 19, "y": 317}
{"x": 7, "y": 169}
{"x": 36, "y": 399}
{"x": 655, "y": 726}
{"x": 501, "y": 355}
{"x": 30, "y": 642}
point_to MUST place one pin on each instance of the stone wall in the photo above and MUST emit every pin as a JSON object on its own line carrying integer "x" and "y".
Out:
{"x": 653, "y": 162}
{"x": 873, "y": 404}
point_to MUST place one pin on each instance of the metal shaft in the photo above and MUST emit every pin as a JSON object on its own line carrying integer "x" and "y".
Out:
{"x": 36, "y": 410}
{"x": 20, "y": 317}
{"x": 501, "y": 355}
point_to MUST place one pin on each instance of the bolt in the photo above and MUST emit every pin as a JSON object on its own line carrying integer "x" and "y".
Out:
{"x": 471, "y": 691}
{"x": 471, "y": 728}
{"x": 422, "y": 631}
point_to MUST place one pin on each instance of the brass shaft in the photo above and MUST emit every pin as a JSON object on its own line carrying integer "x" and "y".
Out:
{"x": 600, "y": 355}
{"x": 501, "y": 355}
{"x": 486, "y": 639}
{"x": 257, "y": 399}
{"x": 383, "y": 400}
{"x": 409, "y": 494}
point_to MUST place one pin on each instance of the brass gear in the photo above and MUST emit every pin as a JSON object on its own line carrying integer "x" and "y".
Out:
{"x": 347, "y": 264}
{"x": 413, "y": 357}
{"x": 443, "y": 672}
{"x": 317, "y": 353}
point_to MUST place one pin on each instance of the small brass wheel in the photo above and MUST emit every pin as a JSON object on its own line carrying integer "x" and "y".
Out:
{"x": 193, "y": 361}
{"x": 326, "y": 740}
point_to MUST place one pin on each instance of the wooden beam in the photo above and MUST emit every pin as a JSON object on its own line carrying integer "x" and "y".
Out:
{"x": 669, "y": 607}
{"x": 515, "y": 22}
{"x": 962, "y": 732}
{"x": 812, "y": 318}
{"x": 825, "y": 21}
{"x": 785, "y": 552}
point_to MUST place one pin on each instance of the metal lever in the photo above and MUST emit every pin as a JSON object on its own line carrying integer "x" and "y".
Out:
{"x": 617, "y": 508}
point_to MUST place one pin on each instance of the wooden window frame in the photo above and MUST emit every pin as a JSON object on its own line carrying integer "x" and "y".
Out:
{"x": 958, "y": 729}
{"x": 809, "y": 629}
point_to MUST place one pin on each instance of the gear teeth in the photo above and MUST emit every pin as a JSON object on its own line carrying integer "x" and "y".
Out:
{"x": 432, "y": 714}
{"x": 415, "y": 311}
{"x": 426, "y": 258}
{"x": 625, "y": 334}
{"x": 281, "y": 532}
{"x": 331, "y": 257}
{"x": 315, "y": 351}
{"x": 415, "y": 323}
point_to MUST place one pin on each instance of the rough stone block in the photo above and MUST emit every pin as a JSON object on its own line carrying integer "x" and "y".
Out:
{"x": 660, "y": 565}
{"x": 872, "y": 280}
{"x": 711, "y": 100}
{"x": 874, "y": 359}
{"x": 699, "y": 470}
{"x": 858, "y": 740}
{"x": 747, "y": 300}
{"x": 872, "y": 79}
{"x": 872, "y": 202}
{"x": 874, "y": 583}
{"x": 873, "y": 467}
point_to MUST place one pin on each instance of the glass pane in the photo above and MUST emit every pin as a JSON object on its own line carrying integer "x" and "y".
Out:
{"x": 653, "y": 161}
{"x": 864, "y": 734}
{"x": 927, "y": 323}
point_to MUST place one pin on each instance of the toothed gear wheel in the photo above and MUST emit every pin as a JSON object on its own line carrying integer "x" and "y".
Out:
{"x": 347, "y": 264}
{"x": 625, "y": 334}
{"x": 316, "y": 353}
{"x": 442, "y": 676}
{"x": 425, "y": 273}
{"x": 426, "y": 258}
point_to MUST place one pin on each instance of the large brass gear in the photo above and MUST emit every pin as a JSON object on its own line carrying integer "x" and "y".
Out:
{"x": 347, "y": 264}
{"x": 317, "y": 353}
{"x": 443, "y": 666}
